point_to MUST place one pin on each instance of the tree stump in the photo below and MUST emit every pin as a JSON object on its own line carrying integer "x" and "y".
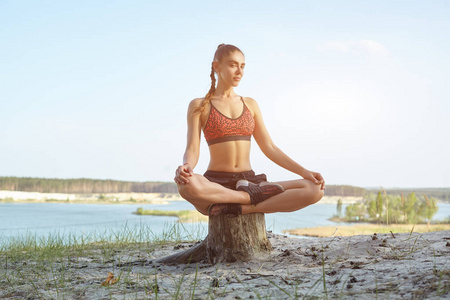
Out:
{"x": 229, "y": 240}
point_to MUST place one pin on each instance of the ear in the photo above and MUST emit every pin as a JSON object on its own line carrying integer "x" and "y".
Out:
{"x": 215, "y": 65}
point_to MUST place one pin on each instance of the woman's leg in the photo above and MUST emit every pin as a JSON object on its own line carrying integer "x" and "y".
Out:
{"x": 201, "y": 193}
{"x": 297, "y": 195}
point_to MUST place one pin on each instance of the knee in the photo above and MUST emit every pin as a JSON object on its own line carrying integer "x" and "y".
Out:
{"x": 191, "y": 190}
{"x": 315, "y": 193}
{"x": 319, "y": 194}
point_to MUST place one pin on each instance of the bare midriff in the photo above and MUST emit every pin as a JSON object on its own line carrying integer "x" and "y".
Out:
{"x": 231, "y": 156}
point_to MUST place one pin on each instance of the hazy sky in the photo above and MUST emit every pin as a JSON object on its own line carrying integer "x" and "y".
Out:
{"x": 357, "y": 90}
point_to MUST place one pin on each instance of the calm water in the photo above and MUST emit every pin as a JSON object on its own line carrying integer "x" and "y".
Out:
{"x": 43, "y": 219}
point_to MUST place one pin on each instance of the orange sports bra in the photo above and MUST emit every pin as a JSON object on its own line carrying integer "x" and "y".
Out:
{"x": 220, "y": 128}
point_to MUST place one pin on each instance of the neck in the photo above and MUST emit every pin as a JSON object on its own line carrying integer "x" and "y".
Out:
{"x": 223, "y": 91}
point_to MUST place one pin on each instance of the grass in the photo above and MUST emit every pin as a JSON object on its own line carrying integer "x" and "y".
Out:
{"x": 184, "y": 216}
{"x": 327, "y": 231}
{"x": 50, "y": 266}
{"x": 59, "y": 244}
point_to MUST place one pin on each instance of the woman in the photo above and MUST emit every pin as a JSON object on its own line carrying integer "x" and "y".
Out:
{"x": 228, "y": 121}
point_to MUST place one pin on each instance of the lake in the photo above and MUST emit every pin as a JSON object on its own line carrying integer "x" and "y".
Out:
{"x": 44, "y": 219}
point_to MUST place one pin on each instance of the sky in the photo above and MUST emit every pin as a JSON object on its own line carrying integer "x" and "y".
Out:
{"x": 355, "y": 90}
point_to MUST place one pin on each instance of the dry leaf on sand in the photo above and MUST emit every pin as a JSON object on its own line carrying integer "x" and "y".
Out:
{"x": 110, "y": 279}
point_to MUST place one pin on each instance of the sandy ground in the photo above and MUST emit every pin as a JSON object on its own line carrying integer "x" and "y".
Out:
{"x": 345, "y": 200}
{"x": 357, "y": 229}
{"x": 383, "y": 266}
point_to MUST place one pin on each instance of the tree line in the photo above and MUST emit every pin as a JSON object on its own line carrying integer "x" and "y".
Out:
{"x": 83, "y": 186}
{"x": 345, "y": 190}
{"x": 86, "y": 185}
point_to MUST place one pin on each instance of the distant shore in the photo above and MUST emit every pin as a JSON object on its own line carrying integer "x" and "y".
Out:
{"x": 99, "y": 198}
{"x": 121, "y": 198}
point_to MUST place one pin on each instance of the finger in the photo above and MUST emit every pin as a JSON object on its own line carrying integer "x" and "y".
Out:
{"x": 184, "y": 174}
{"x": 316, "y": 180}
{"x": 319, "y": 178}
{"x": 191, "y": 171}
{"x": 180, "y": 179}
{"x": 188, "y": 170}
{"x": 183, "y": 179}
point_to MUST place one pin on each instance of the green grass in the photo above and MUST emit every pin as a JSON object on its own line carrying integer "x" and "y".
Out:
{"x": 59, "y": 244}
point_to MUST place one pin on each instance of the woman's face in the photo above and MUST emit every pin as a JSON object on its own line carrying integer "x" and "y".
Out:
{"x": 231, "y": 69}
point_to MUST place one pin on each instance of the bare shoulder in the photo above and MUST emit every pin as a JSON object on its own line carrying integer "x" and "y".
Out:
{"x": 195, "y": 105}
{"x": 197, "y": 102}
{"x": 251, "y": 103}
{"x": 249, "y": 100}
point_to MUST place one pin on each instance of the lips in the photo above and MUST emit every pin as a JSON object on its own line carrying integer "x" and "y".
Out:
{"x": 237, "y": 78}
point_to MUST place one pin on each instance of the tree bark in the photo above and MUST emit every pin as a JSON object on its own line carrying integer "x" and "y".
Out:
{"x": 229, "y": 240}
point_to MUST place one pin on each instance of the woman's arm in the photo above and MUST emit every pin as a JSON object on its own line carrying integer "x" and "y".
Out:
{"x": 274, "y": 153}
{"x": 192, "y": 152}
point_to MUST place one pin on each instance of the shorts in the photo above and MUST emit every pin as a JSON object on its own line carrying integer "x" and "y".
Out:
{"x": 229, "y": 179}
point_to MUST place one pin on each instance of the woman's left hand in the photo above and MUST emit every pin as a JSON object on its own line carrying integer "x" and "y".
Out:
{"x": 315, "y": 177}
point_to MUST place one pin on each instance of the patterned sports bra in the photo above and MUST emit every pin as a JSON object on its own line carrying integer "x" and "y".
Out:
{"x": 220, "y": 128}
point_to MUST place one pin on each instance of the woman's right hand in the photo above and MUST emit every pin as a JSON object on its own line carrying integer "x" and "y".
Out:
{"x": 182, "y": 173}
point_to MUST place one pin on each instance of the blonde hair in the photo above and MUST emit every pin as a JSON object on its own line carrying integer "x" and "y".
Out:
{"x": 223, "y": 51}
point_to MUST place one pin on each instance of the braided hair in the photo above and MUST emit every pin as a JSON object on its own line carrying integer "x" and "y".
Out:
{"x": 223, "y": 50}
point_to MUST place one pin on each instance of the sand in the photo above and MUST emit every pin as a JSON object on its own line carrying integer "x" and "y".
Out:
{"x": 383, "y": 266}
{"x": 356, "y": 229}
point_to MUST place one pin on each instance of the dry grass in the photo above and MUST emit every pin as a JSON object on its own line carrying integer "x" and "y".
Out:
{"x": 327, "y": 231}
{"x": 184, "y": 216}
